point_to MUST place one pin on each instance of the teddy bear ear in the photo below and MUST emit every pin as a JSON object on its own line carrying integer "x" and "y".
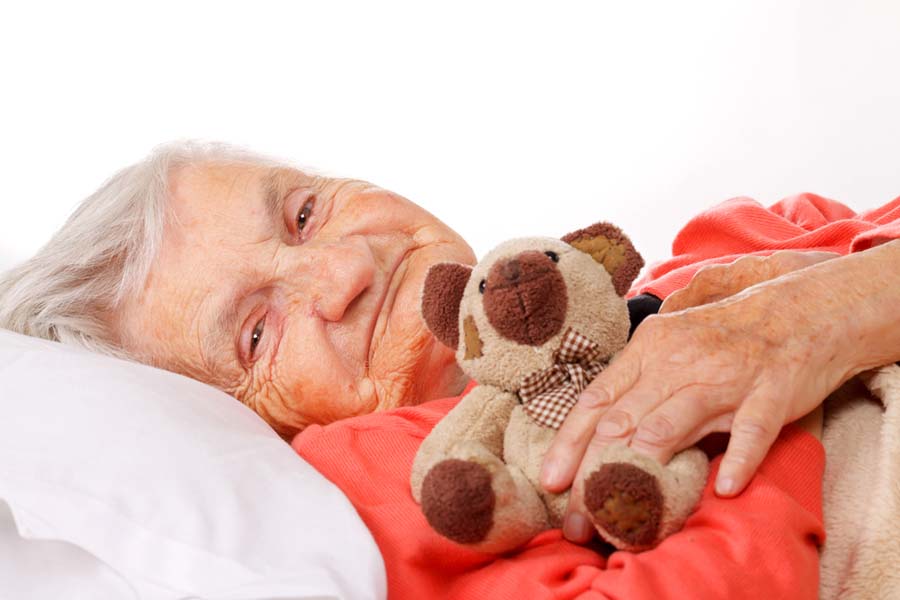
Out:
{"x": 441, "y": 297}
{"x": 607, "y": 245}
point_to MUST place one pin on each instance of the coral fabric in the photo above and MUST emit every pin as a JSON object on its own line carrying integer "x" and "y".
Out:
{"x": 742, "y": 226}
{"x": 762, "y": 544}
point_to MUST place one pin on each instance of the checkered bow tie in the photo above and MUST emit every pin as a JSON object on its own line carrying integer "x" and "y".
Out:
{"x": 547, "y": 395}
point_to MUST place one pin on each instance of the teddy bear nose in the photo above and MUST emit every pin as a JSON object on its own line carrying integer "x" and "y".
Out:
{"x": 511, "y": 270}
{"x": 525, "y": 298}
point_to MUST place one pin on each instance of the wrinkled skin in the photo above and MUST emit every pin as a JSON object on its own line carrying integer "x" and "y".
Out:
{"x": 324, "y": 310}
{"x": 722, "y": 359}
{"x": 717, "y": 282}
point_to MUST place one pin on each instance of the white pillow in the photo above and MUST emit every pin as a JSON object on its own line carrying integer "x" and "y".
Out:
{"x": 176, "y": 487}
{"x": 53, "y": 569}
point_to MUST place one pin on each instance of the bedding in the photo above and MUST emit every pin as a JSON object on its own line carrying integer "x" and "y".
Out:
{"x": 76, "y": 574}
{"x": 774, "y": 527}
{"x": 742, "y": 226}
{"x": 862, "y": 499}
{"x": 172, "y": 486}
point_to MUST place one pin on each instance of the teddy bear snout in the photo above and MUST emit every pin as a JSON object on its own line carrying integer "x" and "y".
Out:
{"x": 525, "y": 298}
{"x": 511, "y": 269}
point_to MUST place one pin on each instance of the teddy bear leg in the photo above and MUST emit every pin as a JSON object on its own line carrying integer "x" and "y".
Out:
{"x": 635, "y": 502}
{"x": 625, "y": 504}
{"x": 474, "y": 499}
{"x": 683, "y": 481}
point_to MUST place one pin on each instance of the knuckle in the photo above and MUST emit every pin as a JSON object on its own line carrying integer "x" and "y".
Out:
{"x": 575, "y": 427}
{"x": 595, "y": 396}
{"x": 789, "y": 260}
{"x": 707, "y": 273}
{"x": 566, "y": 445}
{"x": 614, "y": 423}
{"x": 562, "y": 450}
{"x": 782, "y": 255}
{"x": 674, "y": 298}
{"x": 649, "y": 330}
{"x": 656, "y": 430}
{"x": 717, "y": 403}
{"x": 749, "y": 259}
{"x": 753, "y": 428}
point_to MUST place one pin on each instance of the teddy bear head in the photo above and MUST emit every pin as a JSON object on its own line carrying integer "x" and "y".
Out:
{"x": 508, "y": 315}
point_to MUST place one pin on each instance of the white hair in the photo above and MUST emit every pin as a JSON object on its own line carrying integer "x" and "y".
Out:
{"x": 103, "y": 254}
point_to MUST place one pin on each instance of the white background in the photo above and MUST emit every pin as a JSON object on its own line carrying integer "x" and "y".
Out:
{"x": 504, "y": 119}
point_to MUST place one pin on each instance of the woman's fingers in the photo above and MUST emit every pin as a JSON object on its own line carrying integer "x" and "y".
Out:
{"x": 721, "y": 424}
{"x": 756, "y": 424}
{"x": 709, "y": 284}
{"x": 572, "y": 439}
{"x": 789, "y": 260}
{"x": 679, "y": 422}
{"x": 576, "y": 526}
{"x": 715, "y": 282}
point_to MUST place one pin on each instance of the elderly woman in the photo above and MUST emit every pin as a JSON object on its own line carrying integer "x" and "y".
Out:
{"x": 296, "y": 294}
{"x": 299, "y": 295}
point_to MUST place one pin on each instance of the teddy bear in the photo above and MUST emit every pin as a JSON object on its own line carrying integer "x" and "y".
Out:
{"x": 533, "y": 323}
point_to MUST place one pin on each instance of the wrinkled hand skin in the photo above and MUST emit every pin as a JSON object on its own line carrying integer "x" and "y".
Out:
{"x": 753, "y": 346}
{"x": 717, "y": 282}
{"x": 746, "y": 348}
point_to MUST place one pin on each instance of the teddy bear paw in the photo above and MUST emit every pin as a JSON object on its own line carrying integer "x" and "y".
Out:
{"x": 625, "y": 503}
{"x": 458, "y": 500}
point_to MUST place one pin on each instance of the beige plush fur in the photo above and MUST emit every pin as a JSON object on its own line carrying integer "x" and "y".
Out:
{"x": 682, "y": 481}
{"x": 491, "y": 433}
{"x": 861, "y": 489}
{"x": 502, "y": 363}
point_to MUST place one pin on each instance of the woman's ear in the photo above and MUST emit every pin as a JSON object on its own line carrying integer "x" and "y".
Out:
{"x": 441, "y": 298}
{"x": 607, "y": 245}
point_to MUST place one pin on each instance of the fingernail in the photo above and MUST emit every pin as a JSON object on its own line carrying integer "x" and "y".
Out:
{"x": 550, "y": 473}
{"x": 725, "y": 486}
{"x": 576, "y": 528}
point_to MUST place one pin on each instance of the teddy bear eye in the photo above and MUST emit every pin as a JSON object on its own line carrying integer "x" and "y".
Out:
{"x": 552, "y": 255}
{"x": 481, "y": 286}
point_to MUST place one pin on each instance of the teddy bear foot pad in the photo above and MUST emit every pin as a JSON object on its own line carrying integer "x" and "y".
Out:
{"x": 625, "y": 502}
{"x": 458, "y": 500}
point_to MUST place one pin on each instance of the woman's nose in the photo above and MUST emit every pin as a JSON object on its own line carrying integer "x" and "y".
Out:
{"x": 347, "y": 268}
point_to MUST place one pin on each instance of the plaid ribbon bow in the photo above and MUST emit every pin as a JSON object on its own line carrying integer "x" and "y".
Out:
{"x": 547, "y": 395}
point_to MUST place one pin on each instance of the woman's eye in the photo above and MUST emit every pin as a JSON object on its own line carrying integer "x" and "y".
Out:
{"x": 256, "y": 337}
{"x": 305, "y": 212}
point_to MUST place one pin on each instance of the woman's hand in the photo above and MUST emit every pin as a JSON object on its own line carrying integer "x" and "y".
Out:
{"x": 748, "y": 364}
{"x": 716, "y": 282}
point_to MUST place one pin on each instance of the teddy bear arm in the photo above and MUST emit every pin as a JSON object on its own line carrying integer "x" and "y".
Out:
{"x": 480, "y": 417}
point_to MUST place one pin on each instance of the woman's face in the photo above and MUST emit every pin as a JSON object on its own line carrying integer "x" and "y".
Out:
{"x": 299, "y": 295}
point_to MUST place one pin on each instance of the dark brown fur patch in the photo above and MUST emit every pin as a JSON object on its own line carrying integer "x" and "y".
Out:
{"x": 458, "y": 500}
{"x": 441, "y": 297}
{"x": 626, "y": 501}
{"x": 472, "y": 340}
{"x": 525, "y": 298}
{"x": 607, "y": 245}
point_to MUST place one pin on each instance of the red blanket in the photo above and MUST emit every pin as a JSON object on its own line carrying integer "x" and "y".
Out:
{"x": 743, "y": 226}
